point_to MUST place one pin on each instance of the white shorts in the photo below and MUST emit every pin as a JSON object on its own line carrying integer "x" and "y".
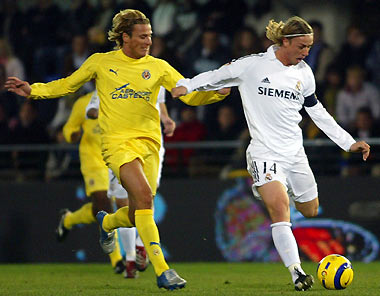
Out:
{"x": 293, "y": 172}
{"x": 115, "y": 189}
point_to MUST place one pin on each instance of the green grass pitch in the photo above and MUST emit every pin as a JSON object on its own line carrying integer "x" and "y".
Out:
{"x": 202, "y": 279}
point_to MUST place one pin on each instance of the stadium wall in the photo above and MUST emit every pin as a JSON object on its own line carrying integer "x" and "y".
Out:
{"x": 199, "y": 220}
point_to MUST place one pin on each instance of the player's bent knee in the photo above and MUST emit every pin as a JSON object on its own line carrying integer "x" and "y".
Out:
{"x": 279, "y": 211}
{"x": 308, "y": 209}
{"x": 310, "y": 212}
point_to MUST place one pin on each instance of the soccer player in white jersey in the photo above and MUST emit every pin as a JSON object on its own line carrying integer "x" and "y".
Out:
{"x": 274, "y": 86}
{"x": 135, "y": 253}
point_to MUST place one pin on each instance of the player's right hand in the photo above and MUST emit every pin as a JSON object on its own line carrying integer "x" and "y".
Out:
{"x": 178, "y": 91}
{"x": 18, "y": 86}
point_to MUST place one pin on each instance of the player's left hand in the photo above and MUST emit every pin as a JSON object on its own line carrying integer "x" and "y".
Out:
{"x": 362, "y": 147}
{"x": 169, "y": 126}
{"x": 92, "y": 113}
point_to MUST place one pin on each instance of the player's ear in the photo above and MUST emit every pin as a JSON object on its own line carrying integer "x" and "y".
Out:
{"x": 126, "y": 37}
{"x": 285, "y": 42}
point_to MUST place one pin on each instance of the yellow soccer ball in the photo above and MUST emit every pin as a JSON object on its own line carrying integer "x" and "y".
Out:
{"x": 335, "y": 272}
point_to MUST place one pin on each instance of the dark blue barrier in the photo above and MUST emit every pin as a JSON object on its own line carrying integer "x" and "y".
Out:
{"x": 199, "y": 220}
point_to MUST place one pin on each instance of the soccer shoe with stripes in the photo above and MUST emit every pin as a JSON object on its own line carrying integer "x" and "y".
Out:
{"x": 107, "y": 239}
{"x": 170, "y": 280}
{"x": 142, "y": 259}
{"x": 130, "y": 271}
{"x": 61, "y": 231}
{"x": 303, "y": 282}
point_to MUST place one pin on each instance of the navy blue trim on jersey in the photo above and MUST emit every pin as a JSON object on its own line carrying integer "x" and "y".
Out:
{"x": 310, "y": 101}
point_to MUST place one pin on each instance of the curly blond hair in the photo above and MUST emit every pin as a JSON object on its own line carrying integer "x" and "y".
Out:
{"x": 294, "y": 25}
{"x": 123, "y": 22}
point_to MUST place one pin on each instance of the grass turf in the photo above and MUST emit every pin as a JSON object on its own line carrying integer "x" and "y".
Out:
{"x": 203, "y": 279}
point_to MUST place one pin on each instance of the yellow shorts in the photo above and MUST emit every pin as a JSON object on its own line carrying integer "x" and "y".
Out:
{"x": 95, "y": 179}
{"x": 118, "y": 152}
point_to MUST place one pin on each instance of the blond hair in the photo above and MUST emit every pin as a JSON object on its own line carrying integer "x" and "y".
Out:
{"x": 123, "y": 22}
{"x": 293, "y": 27}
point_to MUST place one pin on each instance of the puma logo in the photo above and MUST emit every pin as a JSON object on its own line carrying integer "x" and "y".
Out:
{"x": 113, "y": 71}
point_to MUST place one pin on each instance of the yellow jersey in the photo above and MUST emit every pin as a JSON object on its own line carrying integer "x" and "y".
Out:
{"x": 127, "y": 89}
{"x": 90, "y": 152}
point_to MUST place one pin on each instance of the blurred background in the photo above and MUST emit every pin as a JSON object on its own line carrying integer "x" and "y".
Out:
{"x": 204, "y": 172}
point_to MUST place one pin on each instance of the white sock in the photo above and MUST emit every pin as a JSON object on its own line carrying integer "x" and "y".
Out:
{"x": 128, "y": 239}
{"x": 139, "y": 242}
{"x": 286, "y": 246}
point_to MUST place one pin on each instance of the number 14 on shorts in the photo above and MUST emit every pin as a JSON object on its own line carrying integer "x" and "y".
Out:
{"x": 262, "y": 170}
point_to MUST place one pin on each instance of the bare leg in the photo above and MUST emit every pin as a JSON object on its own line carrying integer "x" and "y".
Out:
{"x": 308, "y": 209}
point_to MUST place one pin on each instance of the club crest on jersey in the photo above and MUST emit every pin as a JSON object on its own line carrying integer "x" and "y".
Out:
{"x": 146, "y": 74}
{"x": 298, "y": 85}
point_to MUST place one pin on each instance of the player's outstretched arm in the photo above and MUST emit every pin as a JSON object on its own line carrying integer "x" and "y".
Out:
{"x": 18, "y": 86}
{"x": 362, "y": 147}
{"x": 180, "y": 91}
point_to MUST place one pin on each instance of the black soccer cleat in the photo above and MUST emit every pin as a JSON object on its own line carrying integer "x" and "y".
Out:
{"x": 303, "y": 282}
{"x": 120, "y": 267}
{"x": 61, "y": 231}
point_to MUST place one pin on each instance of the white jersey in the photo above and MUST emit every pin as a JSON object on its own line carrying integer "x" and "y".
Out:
{"x": 115, "y": 189}
{"x": 94, "y": 102}
{"x": 272, "y": 95}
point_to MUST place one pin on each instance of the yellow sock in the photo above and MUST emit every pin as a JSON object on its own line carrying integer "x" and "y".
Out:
{"x": 115, "y": 256}
{"x": 148, "y": 232}
{"x": 81, "y": 216}
{"x": 116, "y": 220}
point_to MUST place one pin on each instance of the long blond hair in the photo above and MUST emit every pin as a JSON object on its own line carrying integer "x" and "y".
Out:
{"x": 293, "y": 27}
{"x": 123, "y": 22}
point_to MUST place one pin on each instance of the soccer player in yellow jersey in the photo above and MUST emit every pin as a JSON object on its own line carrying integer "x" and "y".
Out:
{"x": 94, "y": 172}
{"x": 136, "y": 258}
{"x": 128, "y": 81}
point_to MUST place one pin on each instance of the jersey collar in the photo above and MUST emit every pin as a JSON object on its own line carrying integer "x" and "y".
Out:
{"x": 272, "y": 56}
{"x": 271, "y": 52}
{"x": 128, "y": 59}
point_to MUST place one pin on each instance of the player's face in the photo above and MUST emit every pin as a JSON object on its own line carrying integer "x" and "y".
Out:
{"x": 297, "y": 48}
{"x": 137, "y": 45}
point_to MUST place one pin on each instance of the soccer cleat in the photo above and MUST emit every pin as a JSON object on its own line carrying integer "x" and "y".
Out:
{"x": 107, "y": 239}
{"x": 120, "y": 267}
{"x": 61, "y": 231}
{"x": 142, "y": 259}
{"x": 170, "y": 280}
{"x": 303, "y": 282}
{"x": 130, "y": 271}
